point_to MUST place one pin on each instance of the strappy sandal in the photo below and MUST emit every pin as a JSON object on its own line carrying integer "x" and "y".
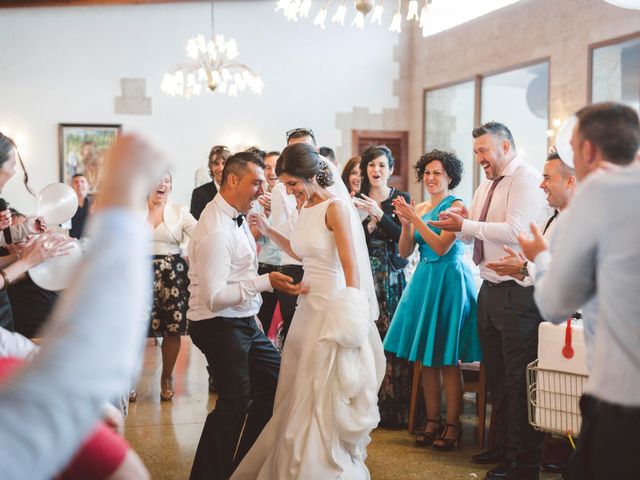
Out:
{"x": 446, "y": 444}
{"x": 425, "y": 439}
{"x": 166, "y": 390}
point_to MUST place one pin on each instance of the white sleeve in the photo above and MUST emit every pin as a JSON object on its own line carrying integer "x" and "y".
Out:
{"x": 91, "y": 347}
{"x": 13, "y": 344}
{"x": 566, "y": 282}
{"x": 525, "y": 205}
{"x": 213, "y": 258}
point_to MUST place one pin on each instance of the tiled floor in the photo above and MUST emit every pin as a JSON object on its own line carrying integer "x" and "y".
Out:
{"x": 166, "y": 434}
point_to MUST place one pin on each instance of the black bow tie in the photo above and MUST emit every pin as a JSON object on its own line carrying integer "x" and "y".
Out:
{"x": 239, "y": 219}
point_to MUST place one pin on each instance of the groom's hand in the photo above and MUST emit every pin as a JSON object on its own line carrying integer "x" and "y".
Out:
{"x": 285, "y": 284}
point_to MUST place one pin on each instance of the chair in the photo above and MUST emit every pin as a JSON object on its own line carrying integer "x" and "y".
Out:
{"x": 475, "y": 381}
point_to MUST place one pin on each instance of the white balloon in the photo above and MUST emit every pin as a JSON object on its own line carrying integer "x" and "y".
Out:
{"x": 625, "y": 3}
{"x": 56, "y": 273}
{"x": 57, "y": 203}
{"x": 563, "y": 140}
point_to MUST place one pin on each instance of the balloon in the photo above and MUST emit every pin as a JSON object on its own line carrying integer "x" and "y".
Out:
{"x": 56, "y": 273}
{"x": 625, "y": 3}
{"x": 563, "y": 140}
{"x": 57, "y": 203}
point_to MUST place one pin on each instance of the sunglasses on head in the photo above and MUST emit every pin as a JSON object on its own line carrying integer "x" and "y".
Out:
{"x": 303, "y": 131}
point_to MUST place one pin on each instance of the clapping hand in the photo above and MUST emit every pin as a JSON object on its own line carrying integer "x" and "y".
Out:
{"x": 36, "y": 225}
{"x": 368, "y": 205}
{"x": 510, "y": 265}
{"x": 42, "y": 247}
{"x": 534, "y": 244}
{"x": 451, "y": 219}
{"x": 406, "y": 213}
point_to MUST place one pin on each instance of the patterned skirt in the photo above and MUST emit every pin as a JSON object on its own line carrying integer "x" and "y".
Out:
{"x": 170, "y": 296}
{"x": 395, "y": 393}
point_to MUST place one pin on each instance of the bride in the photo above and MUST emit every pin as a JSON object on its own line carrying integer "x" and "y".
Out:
{"x": 333, "y": 361}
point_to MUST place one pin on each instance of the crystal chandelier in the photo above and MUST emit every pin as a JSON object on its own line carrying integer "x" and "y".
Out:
{"x": 431, "y": 16}
{"x": 211, "y": 65}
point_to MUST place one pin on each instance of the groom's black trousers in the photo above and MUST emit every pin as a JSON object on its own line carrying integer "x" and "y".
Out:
{"x": 245, "y": 371}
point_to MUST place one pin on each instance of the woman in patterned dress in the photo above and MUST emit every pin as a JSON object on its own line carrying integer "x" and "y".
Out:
{"x": 171, "y": 223}
{"x": 382, "y": 230}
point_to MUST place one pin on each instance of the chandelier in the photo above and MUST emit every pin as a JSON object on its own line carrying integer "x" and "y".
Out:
{"x": 211, "y": 66}
{"x": 431, "y": 16}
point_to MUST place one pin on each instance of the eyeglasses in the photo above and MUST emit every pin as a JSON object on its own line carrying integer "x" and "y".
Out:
{"x": 300, "y": 132}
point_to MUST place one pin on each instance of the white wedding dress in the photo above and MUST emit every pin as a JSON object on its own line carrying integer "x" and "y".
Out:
{"x": 332, "y": 366}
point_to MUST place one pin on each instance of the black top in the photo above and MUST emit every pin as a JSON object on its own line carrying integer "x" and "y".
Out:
{"x": 389, "y": 229}
{"x": 201, "y": 196}
{"x": 80, "y": 218}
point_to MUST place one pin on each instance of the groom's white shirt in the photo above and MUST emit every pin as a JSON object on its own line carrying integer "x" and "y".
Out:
{"x": 223, "y": 270}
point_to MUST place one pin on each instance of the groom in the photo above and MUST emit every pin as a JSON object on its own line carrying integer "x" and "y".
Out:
{"x": 225, "y": 298}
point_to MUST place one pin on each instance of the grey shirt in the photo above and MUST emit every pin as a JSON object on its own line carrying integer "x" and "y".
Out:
{"x": 596, "y": 256}
{"x": 90, "y": 349}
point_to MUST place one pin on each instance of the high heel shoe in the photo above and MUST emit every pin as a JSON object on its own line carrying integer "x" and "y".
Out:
{"x": 448, "y": 443}
{"x": 425, "y": 439}
{"x": 166, "y": 390}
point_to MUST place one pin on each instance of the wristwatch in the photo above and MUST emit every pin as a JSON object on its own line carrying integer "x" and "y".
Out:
{"x": 523, "y": 270}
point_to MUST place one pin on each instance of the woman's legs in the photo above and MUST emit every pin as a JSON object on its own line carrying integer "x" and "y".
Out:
{"x": 453, "y": 389}
{"x": 170, "y": 350}
{"x": 431, "y": 389}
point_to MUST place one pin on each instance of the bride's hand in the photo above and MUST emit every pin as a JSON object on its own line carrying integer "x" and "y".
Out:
{"x": 284, "y": 283}
{"x": 259, "y": 221}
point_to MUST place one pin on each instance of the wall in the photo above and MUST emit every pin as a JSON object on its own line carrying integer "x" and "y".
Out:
{"x": 64, "y": 65}
{"x": 560, "y": 30}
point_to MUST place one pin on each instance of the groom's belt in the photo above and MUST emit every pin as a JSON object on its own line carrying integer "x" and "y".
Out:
{"x": 277, "y": 268}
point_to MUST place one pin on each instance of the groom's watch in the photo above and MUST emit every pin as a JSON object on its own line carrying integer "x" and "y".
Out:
{"x": 523, "y": 269}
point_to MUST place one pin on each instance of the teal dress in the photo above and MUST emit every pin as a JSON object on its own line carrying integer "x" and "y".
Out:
{"x": 436, "y": 319}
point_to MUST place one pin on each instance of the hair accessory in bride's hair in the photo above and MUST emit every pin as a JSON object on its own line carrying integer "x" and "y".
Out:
{"x": 324, "y": 175}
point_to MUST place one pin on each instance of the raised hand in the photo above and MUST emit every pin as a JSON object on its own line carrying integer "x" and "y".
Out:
{"x": 370, "y": 206}
{"x": 451, "y": 219}
{"x": 36, "y": 225}
{"x": 259, "y": 221}
{"x": 534, "y": 244}
{"x": 265, "y": 201}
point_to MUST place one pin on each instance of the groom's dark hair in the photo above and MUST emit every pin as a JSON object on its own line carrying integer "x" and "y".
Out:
{"x": 237, "y": 164}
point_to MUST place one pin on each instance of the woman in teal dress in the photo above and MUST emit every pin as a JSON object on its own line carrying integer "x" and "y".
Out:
{"x": 435, "y": 322}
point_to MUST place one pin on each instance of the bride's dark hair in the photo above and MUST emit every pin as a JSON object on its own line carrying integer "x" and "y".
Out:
{"x": 7, "y": 145}
{"x": 302, "y": 161}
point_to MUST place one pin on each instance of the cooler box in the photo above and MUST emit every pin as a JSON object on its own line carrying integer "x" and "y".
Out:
{"x": 560, "y": 375}
{"x": 551, "y": 342}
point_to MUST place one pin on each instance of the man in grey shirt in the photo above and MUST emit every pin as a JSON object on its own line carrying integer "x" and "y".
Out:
{"x": 92, "y": 345}
{"x": 596, "y": 254}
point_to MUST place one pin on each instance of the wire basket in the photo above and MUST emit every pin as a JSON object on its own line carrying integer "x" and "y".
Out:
{"x": 554, "y": 400}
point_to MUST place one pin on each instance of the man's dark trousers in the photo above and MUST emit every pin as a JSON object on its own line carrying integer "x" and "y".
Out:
{"x": 508, "y": 321}
{"x": 245, "y": 367}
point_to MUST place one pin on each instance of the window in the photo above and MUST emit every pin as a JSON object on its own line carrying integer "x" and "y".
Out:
{"x": 449, "y": 120}
{"x": 615, "y": 72}
{"x": 520, "y": 99}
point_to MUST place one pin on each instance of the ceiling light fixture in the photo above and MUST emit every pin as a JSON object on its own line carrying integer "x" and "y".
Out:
{"x": 431, "y": 16}
{"x": 212, "y": 65}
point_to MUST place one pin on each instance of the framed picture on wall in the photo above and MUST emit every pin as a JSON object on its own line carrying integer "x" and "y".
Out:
{"x": 82, "y": 150}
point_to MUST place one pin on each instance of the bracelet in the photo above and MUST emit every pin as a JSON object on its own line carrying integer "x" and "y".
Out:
{"x": 6, "y": 280}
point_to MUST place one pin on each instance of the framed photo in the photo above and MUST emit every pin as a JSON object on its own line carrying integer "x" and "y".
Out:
{"x": 82, "y": 149}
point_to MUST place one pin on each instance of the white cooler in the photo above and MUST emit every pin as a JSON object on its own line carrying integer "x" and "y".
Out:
{"x": 560, "y": 375}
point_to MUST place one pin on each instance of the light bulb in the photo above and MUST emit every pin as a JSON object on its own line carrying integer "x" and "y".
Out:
{"x": 341, "y": 12}
{"x": 412, "y": 10}
{"x": 396, "y": 23}
{"x": 376, "y": 16}
{"x": 358, "y": 21}
{"x": 321, "y": 17}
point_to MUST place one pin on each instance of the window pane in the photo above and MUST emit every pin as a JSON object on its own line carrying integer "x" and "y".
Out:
{"x": 520, "y": 100}
{"x": 616, "y": 73}
{"x": 448, "y": 126}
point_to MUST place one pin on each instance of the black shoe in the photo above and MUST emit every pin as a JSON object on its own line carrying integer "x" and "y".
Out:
{"x": 554, "y": 467}
{"x": 493, "y": 455}
{"x": 524, "y": 473}
{"x": 502, "y": 471}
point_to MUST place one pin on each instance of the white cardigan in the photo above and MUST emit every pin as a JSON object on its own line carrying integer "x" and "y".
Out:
{"x": 172, "y": 235}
